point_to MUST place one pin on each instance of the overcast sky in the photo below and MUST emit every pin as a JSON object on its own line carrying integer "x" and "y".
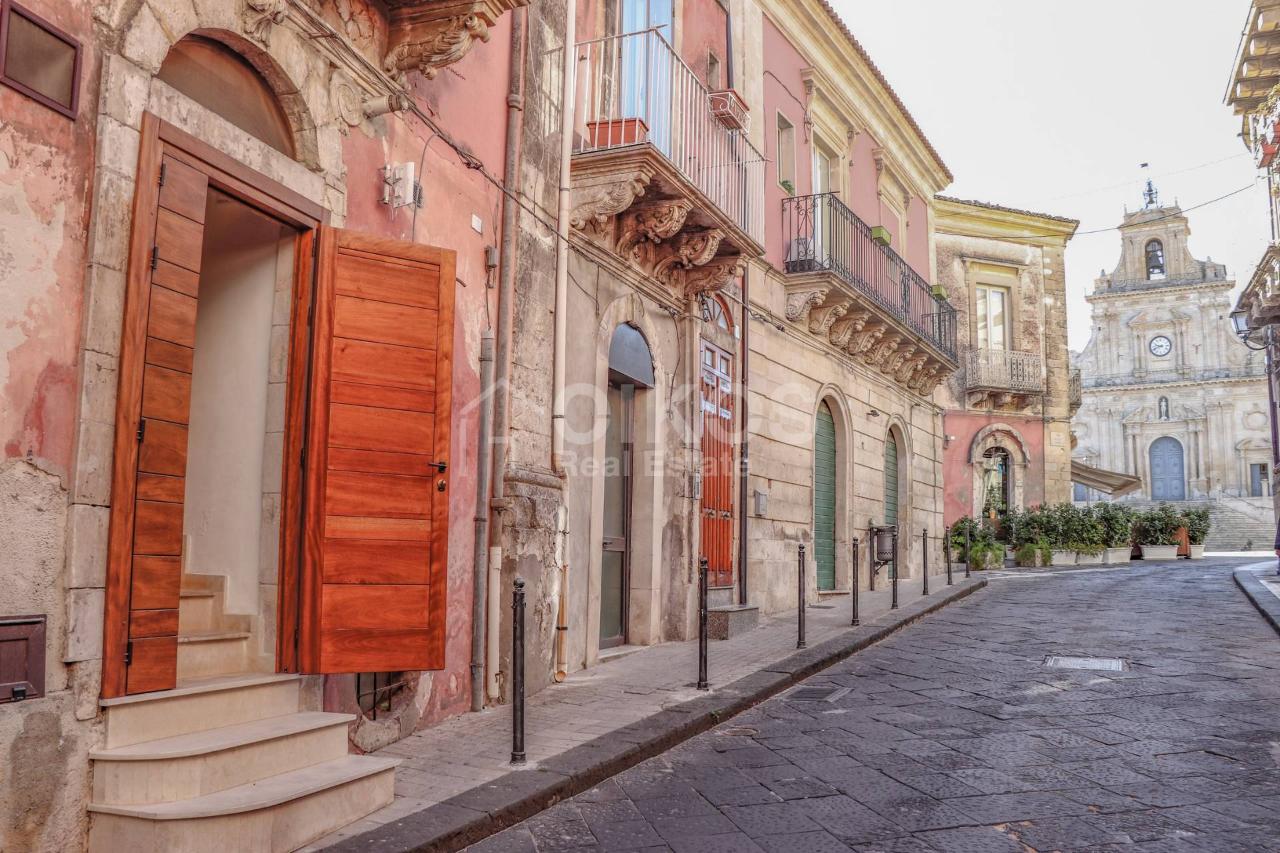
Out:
{"x": 1052, "y": 106}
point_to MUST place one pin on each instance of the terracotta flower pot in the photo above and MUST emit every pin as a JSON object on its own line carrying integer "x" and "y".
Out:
{"x": 619, "y": 131}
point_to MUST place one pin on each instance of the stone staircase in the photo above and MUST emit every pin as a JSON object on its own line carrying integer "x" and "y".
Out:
{"x": 1236, "y": 524}
{"x": 233, "y": 758}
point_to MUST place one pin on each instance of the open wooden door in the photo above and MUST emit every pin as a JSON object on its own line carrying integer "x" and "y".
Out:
{"x": 376, "y": 517}
{"x": 152, "y": 419}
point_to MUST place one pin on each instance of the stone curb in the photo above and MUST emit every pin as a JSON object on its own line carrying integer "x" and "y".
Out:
{"x": 1263, "y": 599}
{"x": 494, "y": 806}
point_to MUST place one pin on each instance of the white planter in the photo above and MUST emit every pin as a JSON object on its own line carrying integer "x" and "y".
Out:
{"x": 1113, "y": 556}
{"x": 1083, "y": 559}
{"x": 1197, "y": 552}
{"x": 1063, "y": 558}
{"x": 1159, "y": 552}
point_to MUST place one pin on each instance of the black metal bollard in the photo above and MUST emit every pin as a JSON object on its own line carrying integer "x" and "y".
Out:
{"x": 703, "y": 684}
{"x": 968, "y": 558}
{"x": 946, "y": 554}
{"x": 517, "y": 673}
{"x": 924, "y": 556}
{"x": 871, "y": 558}
{"x": 800, "y": 610}
{"x": 855, "y": 581}
{"x": 894, "y": 604}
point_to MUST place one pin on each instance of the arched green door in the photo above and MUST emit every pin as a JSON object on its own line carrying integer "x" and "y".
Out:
{"x": 891, "y": 479}
{"x": 824, "y": 498}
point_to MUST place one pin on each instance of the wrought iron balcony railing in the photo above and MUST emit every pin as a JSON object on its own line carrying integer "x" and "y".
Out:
{"x": 825, "y": 236}
{"x": 634, "y": 89}
{"x": 1003, "y": 370}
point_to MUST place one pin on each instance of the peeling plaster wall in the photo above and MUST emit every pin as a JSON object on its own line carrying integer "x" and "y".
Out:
{"x": 45, "y": 173}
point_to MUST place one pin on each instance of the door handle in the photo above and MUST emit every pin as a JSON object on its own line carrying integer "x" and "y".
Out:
{"x": 440, "y": 467}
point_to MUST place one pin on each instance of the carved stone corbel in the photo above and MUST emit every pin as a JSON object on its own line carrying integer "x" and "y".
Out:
{"x": 908, "y": 369}
{"x": 864, "y": 340}
{"x": 708, "y": 278}
{"x": 883, "y": 349}
{"x": 259, "y": 16}
{"x": 923, "y": 374}
{"x": 595, "y": 204}
{"x": 821, "y": 319}
{"x": 426, "y": 35}
{"x": 896, "y": 360}
{"x": 652, "y": 222}
{"x": 844, "y": 329}
{"x": 692, "y": 248}
{"x": 799, "y": 302}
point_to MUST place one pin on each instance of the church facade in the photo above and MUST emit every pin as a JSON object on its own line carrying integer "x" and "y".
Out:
{"x": 1170, "y": 395}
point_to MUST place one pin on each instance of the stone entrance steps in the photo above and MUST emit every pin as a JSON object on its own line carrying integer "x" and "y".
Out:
{"x": 229, "y": 760}
{"x": 228, "y": 763}
{"x": 1232, "y": 528}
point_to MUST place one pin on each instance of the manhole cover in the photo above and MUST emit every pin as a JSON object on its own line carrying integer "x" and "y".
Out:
{"x": 817, "y": 694}
{"x": 1069, "y": 662}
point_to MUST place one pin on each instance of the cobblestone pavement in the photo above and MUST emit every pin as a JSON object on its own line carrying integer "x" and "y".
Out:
{"x": 953, "y": 735}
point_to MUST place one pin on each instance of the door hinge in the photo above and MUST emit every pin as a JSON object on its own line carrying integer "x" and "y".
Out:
{"x": 162, "y": 168}
{"x": 128, "y": 653}
{"x": 142, "y": 429}
{"x": 155, "y": 256}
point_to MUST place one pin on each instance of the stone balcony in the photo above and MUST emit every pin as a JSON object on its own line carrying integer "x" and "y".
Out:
{"x": 1002, "y": 377}
{"x": 426, "y": 35}
{"x": 865, "y": 300}
{"x": 663, "y": 176}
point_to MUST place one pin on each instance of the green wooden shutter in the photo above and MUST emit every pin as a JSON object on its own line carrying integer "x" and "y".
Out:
{"x": 890, "y": 480}
{"x": 824, "y": 498}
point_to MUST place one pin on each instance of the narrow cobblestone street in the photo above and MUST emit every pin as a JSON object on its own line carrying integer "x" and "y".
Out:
{"x": 954, "y": 735}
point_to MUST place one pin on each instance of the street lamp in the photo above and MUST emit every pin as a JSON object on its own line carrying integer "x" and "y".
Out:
{"x": 1246, "y": 334}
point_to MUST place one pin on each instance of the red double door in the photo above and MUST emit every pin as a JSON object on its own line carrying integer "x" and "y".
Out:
{"x": 717, "y": 464}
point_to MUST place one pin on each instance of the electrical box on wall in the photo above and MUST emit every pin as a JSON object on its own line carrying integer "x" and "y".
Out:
{"x": 399, "y": 186}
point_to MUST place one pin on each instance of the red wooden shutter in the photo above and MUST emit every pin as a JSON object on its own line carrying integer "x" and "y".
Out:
{"x": 375, "y": 557}
{"x": 156, "y": 394}
{"x": 717, "y": 462}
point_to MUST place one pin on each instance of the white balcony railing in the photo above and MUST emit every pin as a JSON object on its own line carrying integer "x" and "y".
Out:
{"x": 1003, "y": 370}
{"x": 634, "y": 89}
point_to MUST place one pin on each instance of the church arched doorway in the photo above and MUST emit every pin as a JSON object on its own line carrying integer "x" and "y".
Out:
{"x": 1168, "y": 472}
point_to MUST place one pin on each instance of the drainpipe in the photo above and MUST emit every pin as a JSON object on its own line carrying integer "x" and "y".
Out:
{"x": 567, "y": 103}
{"x": 744, "y": 466}
{"x": 506, "y": 298}
{"x": 479, "y": 575}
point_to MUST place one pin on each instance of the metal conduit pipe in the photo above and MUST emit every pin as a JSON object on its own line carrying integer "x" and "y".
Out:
{"x": 478, "y": 570}
{"x": 567, "y": 113}
{"x": 507, "y": 253}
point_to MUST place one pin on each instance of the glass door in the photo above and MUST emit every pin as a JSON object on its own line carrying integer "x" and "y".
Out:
{"x": 647, "y": 66}
{"x": 615, "y": 559}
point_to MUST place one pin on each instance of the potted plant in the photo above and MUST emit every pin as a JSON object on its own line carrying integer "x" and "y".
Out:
{"x": 1157, "y": 532}
{"x": 1034, "y": 554}
{"x": 1197, "y": 523}
{"x": 1089, "y": 537}
{"x": 1060, "y": 532}
{"x": 964, "y": 534}
{"x": 1117, "y": 532}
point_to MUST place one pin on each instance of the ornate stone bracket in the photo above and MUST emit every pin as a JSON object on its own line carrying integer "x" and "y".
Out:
{"x": 909, "y": 369}
{"x": 707, "y": 278}
{"x": 821, "y": 319}
{"x": 843, "y": 330}
{"x": 799, "y": 302}
{"x": 595, "y": 204}
{"x": 896, "y": 359}
{"x": 426, "y": 35}
{"x": 864, "y": 340}
{"x": 259, "y": 16}
{"x": 691, "y": 249}
{"x": 652, "y": 223}
{"x": 883, "y": 350}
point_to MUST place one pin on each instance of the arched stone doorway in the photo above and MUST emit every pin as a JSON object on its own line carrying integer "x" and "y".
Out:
{"x": 824, "y": 497}
{"x": 1168, "y": 470}
{"x": 630, "y": 372}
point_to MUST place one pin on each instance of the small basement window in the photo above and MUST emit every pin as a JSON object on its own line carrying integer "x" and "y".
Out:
{"x": 374, "y": 691}
{"x": 38, "y": 59}
{"x": 21, "y": 657}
